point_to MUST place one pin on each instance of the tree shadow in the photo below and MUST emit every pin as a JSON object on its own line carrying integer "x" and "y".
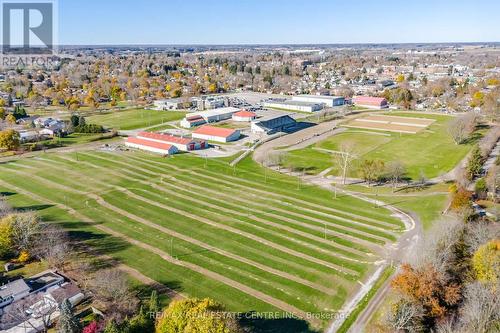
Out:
{"x": 254, "y": 323}
{"x": 7, "y": 194}
{"x": 33, "y": 208}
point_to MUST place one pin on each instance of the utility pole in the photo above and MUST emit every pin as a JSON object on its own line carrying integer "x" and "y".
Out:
{"x": 325, "y": 231}
{"x": 172, "y": 247}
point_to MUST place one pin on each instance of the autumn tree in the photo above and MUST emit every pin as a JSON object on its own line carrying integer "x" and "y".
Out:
{"x": 486, "y": 262}
{"x": 10, "y": 119}
{"x": 195, "y": 315}
{"x": 429, "y": 288}
{"x": 9, "y": 139}
{"x": 371, "y": 170}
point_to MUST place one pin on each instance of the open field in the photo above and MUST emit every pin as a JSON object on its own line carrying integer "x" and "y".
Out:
{"x": 135, "y": 118}
{"x": 387, "y": 123}
{"x": 427, "y": 204}
{"x": 431, "y": 151}
{"x": 251, "y": 239}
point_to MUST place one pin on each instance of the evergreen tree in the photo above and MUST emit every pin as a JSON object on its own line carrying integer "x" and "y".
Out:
{"x": 111, "y": 327}
{"x": 67, "y": 321}
{"x": 475, "y": 164}
{"x": 154, "y": 303}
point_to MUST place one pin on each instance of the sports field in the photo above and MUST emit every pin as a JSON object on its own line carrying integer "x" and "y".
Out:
{"x": 133, "y": 119}
{"x": 431, "y": 150}
{"x": 254, "y": 240}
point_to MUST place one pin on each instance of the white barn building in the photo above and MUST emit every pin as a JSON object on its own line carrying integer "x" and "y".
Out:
{"x": 328, "y": 101}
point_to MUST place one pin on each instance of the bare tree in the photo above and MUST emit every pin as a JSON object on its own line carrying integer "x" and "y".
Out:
{"x": 53, "y": 245}
{"x": 477, "y": 234}
{"x": 405, "y": 316}
{"x": 344, "y": 158}
{"x": 111, "y": 292}
{"x": 5, "y": 207}
{"x": 395, "y": 171}
{"x": 438, "y": 247}
{"x": 25, "y": 228}
{"x": 481, "y": 309}
{"x": 31, "y": 310}
{"x": 461, "y": 127}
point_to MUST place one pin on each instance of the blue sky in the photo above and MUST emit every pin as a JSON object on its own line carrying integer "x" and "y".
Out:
{"x": 277, "y": 21}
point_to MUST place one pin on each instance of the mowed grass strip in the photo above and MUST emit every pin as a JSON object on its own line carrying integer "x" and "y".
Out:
{"x": 278, "y": 186}
{"x": 246, "y": 249}
{"x": 342, "y": 265}
{"x": 333, "y": 228}
{"x": 175, "y": 277}
{"x": 160, "y": 189}
{"x": 150, "y": 264}
{"x": 342, "y": 225}
{"x": 282, "y": 304}
{"x": 152, "y": 173}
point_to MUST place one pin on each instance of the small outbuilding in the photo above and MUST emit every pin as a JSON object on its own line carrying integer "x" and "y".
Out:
{"x": 244, "y": 116}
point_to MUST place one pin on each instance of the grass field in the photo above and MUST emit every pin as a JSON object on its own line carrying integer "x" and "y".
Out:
{"x": 252, "y": 240}
{"x": 427, "y": 204}
{"x": 431, "y": 151}
{"x": 133, "y": 119}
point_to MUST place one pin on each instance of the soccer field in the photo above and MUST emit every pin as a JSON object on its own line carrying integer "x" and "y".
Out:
{"x": 255, "y": 241}
{"x": 431, "y": 151}
{"x": 134, "y": 119}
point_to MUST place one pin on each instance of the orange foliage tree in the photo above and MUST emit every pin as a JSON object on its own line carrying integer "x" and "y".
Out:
{"x": 429, "y": 288}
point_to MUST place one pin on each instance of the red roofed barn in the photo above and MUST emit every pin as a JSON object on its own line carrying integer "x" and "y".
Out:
{"x": 370, "y": 102}
{"x": 244, "y": 116}
{"x": 152, "y": 146}
{"x": 218, "y": 134}
{"x": 184, "y": 144}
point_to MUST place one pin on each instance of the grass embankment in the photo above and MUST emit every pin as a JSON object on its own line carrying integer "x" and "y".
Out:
{"x": 198, "y": 230}
{"x": 364, "y": 302}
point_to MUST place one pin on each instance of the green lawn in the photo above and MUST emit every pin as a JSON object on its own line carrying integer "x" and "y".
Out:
{"x": 427, "y": 204}
{"x": 135, "y": 118}
{"x": 293, "y": 243}
{"x": 431, "y": 152}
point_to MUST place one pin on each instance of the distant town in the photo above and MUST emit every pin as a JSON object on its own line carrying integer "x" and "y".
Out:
{"x": 252, "y": 188}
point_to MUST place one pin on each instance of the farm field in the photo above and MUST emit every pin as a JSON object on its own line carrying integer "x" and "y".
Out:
{"x": 134, "y": 119}
{"x": 431, "y": 151}
{"x": 255, "y": 241}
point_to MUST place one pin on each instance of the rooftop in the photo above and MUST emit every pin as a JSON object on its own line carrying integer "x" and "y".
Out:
{"x": 214, "y": 112}
{"x": 164, "y": 137}
{"x": 319, "y": 96}
{"x": 215, "y": 131}
{"x": 149, "y": 143}
{"x": 245, "y": 113}
{"x": 13, "y": 288}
